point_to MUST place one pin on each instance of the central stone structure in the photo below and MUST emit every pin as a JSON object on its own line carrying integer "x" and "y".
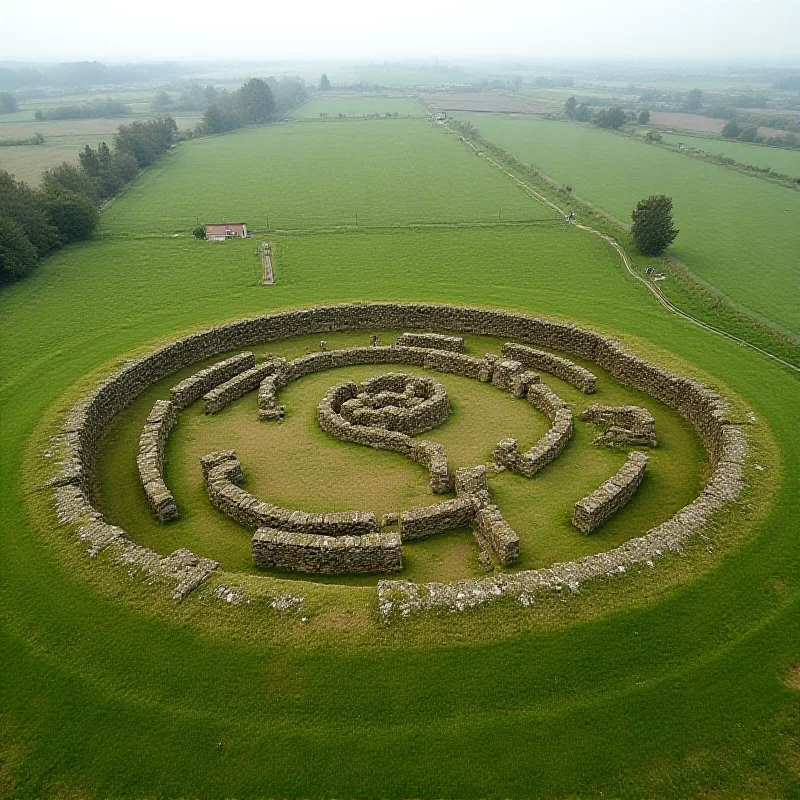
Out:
{"x": 397, "y": 402}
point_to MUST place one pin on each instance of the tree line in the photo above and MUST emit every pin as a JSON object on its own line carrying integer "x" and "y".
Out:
{"x": 65, "y": 208}
{"x": 95, "y": 109}
{"x": 257, "y": 101}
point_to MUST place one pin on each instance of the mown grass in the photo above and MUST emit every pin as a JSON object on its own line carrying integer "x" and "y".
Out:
{"x": 626, "y": 690}
{"x": 297, "y": 175}
{"x": 355, "y": 106}
{"x": 738, "y": 233}
{"x": 786, "y": 162}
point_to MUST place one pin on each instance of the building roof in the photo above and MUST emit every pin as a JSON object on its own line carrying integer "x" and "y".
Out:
{"x": 219, "y": 228}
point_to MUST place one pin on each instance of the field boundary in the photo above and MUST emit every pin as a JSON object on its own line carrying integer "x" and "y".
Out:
{"x": 662, "y": 299}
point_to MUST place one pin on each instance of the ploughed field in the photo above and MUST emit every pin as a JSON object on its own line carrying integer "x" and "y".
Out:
{"x": 664, "y": 682}
{"x": 738, "y": 233}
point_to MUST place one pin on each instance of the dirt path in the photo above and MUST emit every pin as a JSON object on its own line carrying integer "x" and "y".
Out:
{"x": 652, "y": 288}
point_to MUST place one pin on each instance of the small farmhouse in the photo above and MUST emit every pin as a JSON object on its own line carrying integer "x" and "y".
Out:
{"x": 220, "y": 231}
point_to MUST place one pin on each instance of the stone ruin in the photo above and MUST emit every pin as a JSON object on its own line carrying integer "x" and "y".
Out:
{"x": 85, "y": 424}
{"x": 623, "y": 425}
{"x": 594, "y": 509}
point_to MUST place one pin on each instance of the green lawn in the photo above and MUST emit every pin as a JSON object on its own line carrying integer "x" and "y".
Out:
{"x": 355, "y": 106}
{"x": 738, "y": 233}
{"x": 662, "y": 683}
{"x": 786, "y": 162}
{"x": 300, "y": 176}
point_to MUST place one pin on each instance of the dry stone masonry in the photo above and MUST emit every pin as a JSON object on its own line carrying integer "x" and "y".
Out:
{"x": 303, "y": 552}
{"x": 554, "y": 365}
{"x": 333, "y": 412}
{"x": 624, "y": 425}
{"x": 223, "y": 473}
{"x": 194, "y": 387}
{"x": 431, "y": 341}
{"x": 238, "y": 386}
{"x": 701, "y": 406}
{"x": 594, "y": 509}
{"x": 150, "y": 460}
{"x": 549, "y": 447}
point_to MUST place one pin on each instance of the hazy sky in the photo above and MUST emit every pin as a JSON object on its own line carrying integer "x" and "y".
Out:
{"x": 56, "y": 30}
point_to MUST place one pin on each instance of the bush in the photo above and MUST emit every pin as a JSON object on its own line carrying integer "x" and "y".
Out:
{"x": 74, "y": 215}
{"x": 199, "y": 232}
{"x": 652, "y": 228}
{"x": 17, "y": 255}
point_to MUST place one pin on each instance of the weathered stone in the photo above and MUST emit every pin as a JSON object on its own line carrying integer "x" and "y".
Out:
{"x": 432, "y": 341}
{"x": 594, "y": 509}
{"x": 194, "y": 387}
{"x": 554, "y": 365}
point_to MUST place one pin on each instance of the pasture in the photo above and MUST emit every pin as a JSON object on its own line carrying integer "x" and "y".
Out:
{"x": 63, "y": 141}
{"x": 738, "y": 233}
{"x": 298, "y": 175}
{"x": 786, "y": 162}
{"x": 355, "y": 106}
{"x": 660, "y": 683}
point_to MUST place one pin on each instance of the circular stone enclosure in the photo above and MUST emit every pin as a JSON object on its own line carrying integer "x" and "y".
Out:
{"x": 701, "y": 406}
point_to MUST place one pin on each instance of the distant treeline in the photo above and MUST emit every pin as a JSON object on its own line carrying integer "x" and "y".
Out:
{"x": 257, "y": 101}
{"x": 37, "y": 138}
{"x": 65, "y": 208}
{"x": 96, "y": 109}
{"x": 88, "y": 73}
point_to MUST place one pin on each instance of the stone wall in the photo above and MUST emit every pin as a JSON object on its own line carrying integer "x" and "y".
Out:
{"x": 431, "y": 341}
{"x": 549, "y": 447}
{"x": 398, "y": 402}
{"x": 431, "y": 455}
{"x": 554, "y": 365}
{"x": 495, "y": 535}
{"x": 703, "y": 407}
{"x": 239, "y": 385}
{"x": 302, "y": 552}
{"x": 223, "y": 472}
{"x": 594, "y": 509}
{"x": 150, "y": 460}
{"x": 195, "y": 386}
{"x": 421, "y": 522}
{"x": 624, "y": 425}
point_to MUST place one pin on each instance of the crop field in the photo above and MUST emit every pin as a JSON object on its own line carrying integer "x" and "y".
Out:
{"x": 298, "y": 175}
{"x": 352, "y": 106}
{"x": 737, "y": 232}
{"x": 670, "y": 682}
{"x": 786, "y": 162}
{"x": 63, "y": 139}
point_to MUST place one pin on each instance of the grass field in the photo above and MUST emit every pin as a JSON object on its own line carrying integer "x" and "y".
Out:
{"x": 385, "y": 172}
{"x": 664, "y": 683}
{"x": 64, "y": 139}
{"x": 354, "y": 106}
{"x": 738, "y": 233}
{"x": 787, "y": 162}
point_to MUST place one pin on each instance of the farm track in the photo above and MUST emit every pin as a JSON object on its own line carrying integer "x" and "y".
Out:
{"x": 663, "y": 300}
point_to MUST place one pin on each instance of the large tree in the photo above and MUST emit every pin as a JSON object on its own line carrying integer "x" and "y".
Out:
{"x": 324, "y": 83}
{"x": 569, "y": 107}
{"x": 256, "y": 101}
{"x": 8, "y": 103}
{"x": 644, "y": 117}
{"x": 694, "y": 100}
{"x": 652, "y": 228}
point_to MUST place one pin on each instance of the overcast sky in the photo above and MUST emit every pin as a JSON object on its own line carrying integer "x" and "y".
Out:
{"x": 55, "y": 30}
